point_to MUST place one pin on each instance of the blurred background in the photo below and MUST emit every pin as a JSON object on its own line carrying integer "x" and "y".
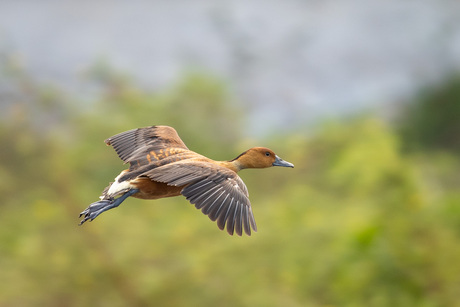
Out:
{"x": 363, "y": 97}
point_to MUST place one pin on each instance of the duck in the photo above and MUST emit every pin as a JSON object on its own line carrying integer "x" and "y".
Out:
{"x": 161, "y": 165}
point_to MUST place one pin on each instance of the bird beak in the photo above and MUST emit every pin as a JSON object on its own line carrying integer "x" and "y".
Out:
{"x": 281, "y": 162}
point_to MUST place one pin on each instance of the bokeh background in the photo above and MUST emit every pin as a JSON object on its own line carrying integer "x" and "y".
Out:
{"x": 362, "y": 96}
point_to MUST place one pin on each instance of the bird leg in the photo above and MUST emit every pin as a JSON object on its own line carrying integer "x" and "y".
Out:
{"x": 98, "y": 207}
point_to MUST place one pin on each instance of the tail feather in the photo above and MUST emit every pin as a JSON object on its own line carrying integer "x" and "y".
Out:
{"x": 104, "y": 194}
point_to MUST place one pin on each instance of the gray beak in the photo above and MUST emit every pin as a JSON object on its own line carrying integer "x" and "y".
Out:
{"x": 281, "y": 162}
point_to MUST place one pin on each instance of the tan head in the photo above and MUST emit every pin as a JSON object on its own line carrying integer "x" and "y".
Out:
{"x": 260, "y": 157}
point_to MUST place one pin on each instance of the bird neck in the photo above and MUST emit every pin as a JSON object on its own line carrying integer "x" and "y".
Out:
{"x": 241, "y": 162}
{"x": 233, "y": 165}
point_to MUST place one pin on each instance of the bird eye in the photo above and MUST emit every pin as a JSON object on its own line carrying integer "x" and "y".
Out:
{"x": 267, "y": 154}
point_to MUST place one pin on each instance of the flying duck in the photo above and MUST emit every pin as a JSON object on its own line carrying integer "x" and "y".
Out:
{"x": 162, "y": 166}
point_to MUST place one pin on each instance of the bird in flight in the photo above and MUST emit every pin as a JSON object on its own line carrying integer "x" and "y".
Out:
{"x": 160, "y": 165}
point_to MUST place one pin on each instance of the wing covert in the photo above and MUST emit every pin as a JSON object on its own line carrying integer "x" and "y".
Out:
{"x": 144, "y": 145}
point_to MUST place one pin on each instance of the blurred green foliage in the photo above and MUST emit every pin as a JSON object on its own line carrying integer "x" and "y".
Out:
{"x": 357, "y": 222}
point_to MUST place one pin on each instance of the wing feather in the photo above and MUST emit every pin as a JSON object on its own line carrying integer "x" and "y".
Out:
{"x": 239, "y": 221}
{"x": 217, "y": 191}
{"x": 133, "y": 146}
{"x": 246, "y": 225}
{"x": 231, "y": 218}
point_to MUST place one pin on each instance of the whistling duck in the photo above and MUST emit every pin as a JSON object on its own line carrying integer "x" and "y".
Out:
{"x": 162, "y": 166}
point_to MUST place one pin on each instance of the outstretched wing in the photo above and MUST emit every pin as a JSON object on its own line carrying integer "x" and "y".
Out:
{"x": 217, "y": 191}
{"x": 146, "y": 145}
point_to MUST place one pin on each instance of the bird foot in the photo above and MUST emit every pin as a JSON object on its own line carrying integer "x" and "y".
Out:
{"x": 95, "y": 209}
{"x": 98, "y": 207}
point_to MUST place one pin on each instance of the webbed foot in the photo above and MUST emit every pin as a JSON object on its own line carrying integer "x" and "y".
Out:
{"x": 95, "y": 209}
{"x": 98, "y": 207}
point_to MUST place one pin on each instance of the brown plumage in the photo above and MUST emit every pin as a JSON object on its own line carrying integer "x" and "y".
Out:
{"x": 162, "y": 166}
